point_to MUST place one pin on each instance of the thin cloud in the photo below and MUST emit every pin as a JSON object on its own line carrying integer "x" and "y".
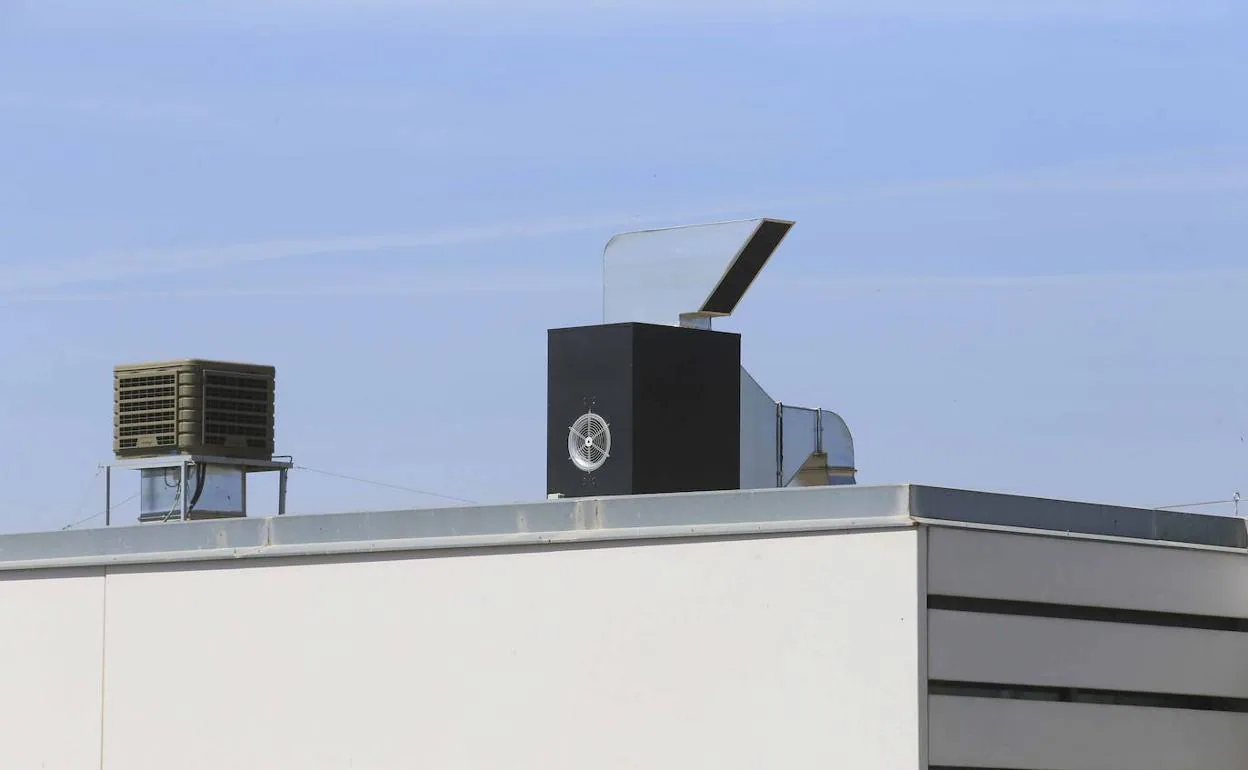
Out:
{"x": 108, "y": 267}
{"x": 466, "y": 283}
{"x": 53, "y": 274}
{"x": 1104, "y": 279}
{"x": 470, "y": 281}
{"x": 48, "y": 275}
{"x": 1207, "y": 181}
{"x": 95, "y": 106}
{"x": 553, "y": 16}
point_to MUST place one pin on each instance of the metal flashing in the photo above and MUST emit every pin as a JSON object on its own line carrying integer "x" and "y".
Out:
{"x": 758, "y": 512}
{"x": 1037, "y": 513}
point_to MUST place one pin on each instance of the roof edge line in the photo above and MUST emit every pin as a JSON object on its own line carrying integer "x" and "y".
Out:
{"x": 366, "y": 547}
{"x": 1006, "y": 529}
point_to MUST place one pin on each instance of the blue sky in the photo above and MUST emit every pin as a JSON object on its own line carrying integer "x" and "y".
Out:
{"x": 1019, "y": 264}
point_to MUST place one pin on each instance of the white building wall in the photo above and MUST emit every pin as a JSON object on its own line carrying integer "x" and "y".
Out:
{"x": 792, "y": 652}
{"x": 798, "y": 651}
{"x": 51, "y": 663}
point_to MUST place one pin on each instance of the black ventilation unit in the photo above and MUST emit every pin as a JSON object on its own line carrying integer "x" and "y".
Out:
{"x": 636, "y": 408}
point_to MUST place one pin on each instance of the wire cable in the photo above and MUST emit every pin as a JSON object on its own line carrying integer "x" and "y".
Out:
{"x": 111, "y": 508}
{"x": 177, "y": 498}
{"x": 86, "y": 495}
{"x": 1195, "y": 505}
{"x": 1235, "y": 501}
{"x": 384, "y": 484}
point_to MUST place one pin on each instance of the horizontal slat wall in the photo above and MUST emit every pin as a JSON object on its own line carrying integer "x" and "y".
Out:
{"x": 975, "y": 732}
{"x": 1068, "y": 570}
{"x": 1050, "y": 652}
{"x": 1053, "y": 652}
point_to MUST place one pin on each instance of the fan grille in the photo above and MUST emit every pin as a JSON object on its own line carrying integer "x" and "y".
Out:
{"x": 589, "y": 442}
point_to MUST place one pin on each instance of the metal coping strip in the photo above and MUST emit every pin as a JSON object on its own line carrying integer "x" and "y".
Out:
{"x": 1072, "y": 535}
{"x": 698, "y": 514}
{"x": 362, "y": 547}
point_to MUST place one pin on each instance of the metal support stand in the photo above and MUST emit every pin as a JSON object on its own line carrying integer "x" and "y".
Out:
{"x": 182, "y": 491}
{"x": 229, "y": 473}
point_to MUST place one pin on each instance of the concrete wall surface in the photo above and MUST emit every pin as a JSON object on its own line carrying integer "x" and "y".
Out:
{"x": 51, "y": 669}
{"x": 794, "y": 652}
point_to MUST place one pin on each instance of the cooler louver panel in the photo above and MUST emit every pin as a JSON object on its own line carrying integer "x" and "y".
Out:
{"x": 146, "y": 413}
{"x": 194, "y": 407}
{"x": 238, "y": 411}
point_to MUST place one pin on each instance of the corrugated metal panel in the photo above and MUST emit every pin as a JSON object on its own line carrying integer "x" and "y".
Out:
{"x": 972, "y": 647}
{"x": 1064, "y": 570}
{"x": 974, "y": 732}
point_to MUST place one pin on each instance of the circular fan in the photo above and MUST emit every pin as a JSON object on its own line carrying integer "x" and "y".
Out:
{"x": 589, "y": 442}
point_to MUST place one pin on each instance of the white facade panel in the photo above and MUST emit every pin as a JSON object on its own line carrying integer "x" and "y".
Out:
{"x": 51, "y": 662}
{"x": 1067, "y": 570}
{"x": 794, "y": 652}
{"x": 1050, "y": 652}
{"x": 975, "y": 732}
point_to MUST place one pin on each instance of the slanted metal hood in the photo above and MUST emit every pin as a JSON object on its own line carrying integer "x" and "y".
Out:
{"x": 686, "y": 275}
